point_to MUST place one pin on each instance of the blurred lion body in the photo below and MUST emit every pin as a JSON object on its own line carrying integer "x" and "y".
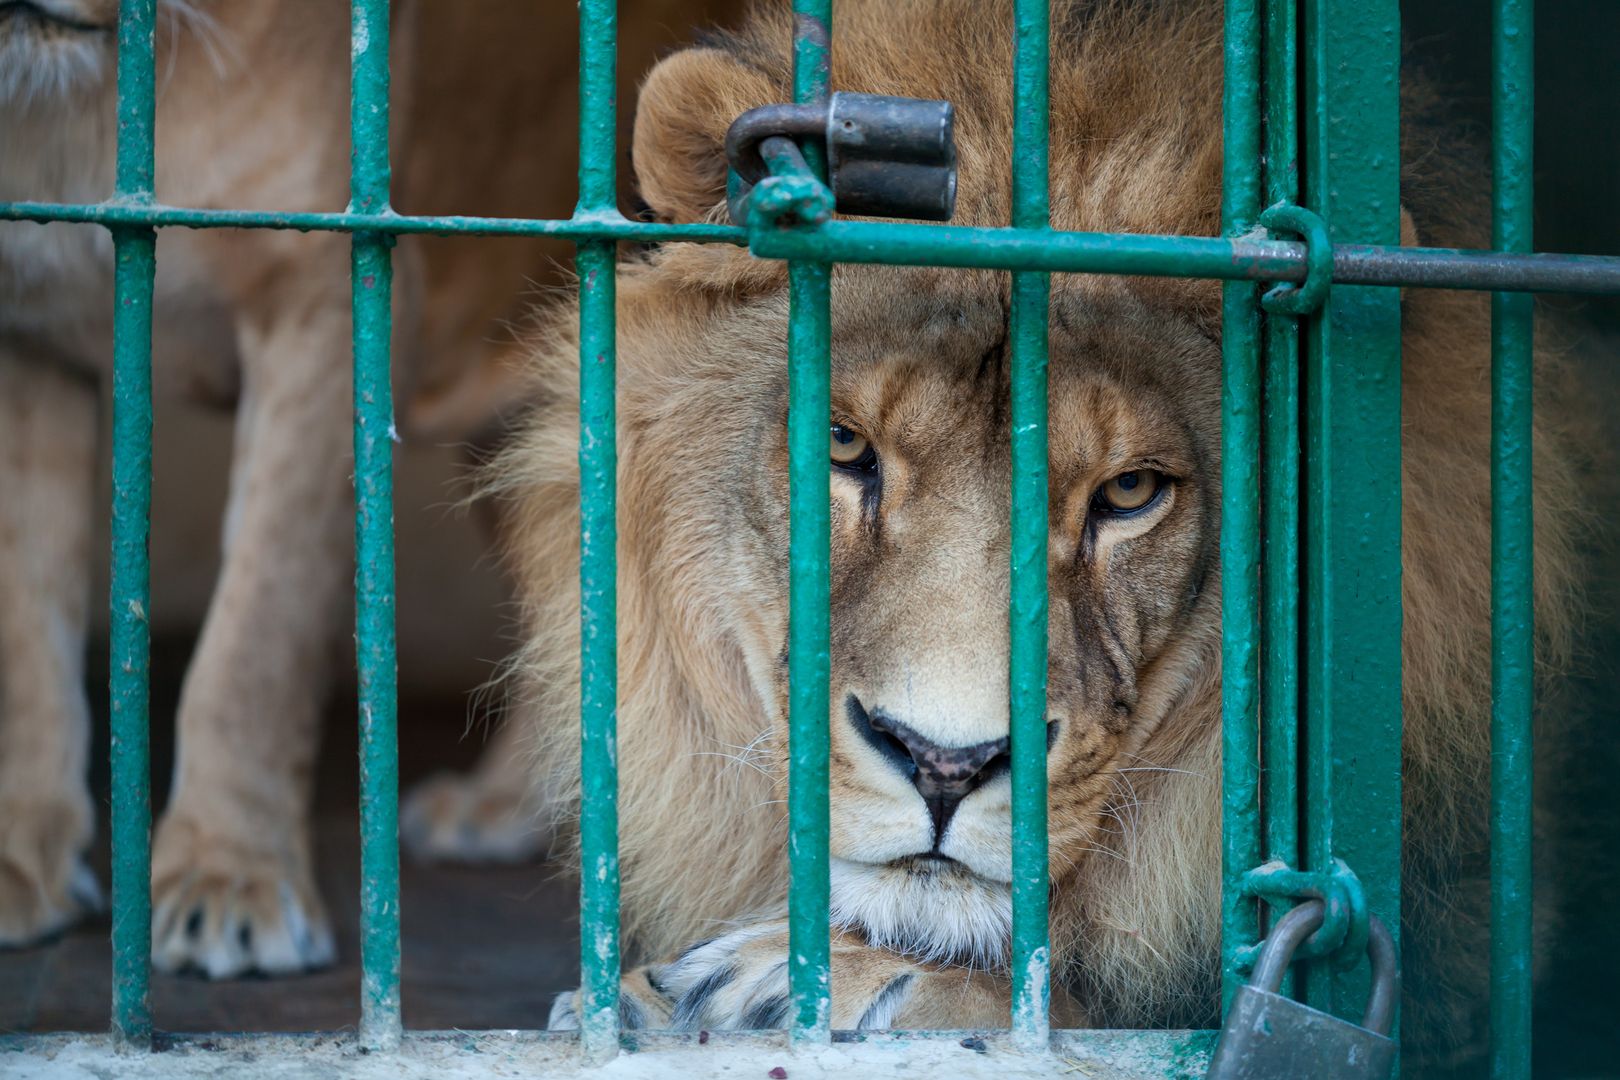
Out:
{"x": 252, "y": 113}
{"x": 919, "y": 560}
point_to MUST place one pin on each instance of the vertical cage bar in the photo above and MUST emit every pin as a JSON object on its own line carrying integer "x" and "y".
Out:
{"x": 371, "y": 284}
{"x": 134, "y": 252}
{"x": 1512, "y": 548}
{"x": 1279, "y": 689}
{"x": 1031, "y": 298}
{"x": 598, "y": 541}
{"x": 1352, "y": 373}
{"x": 1240, "y": 505}
{"x": 809, "y": 407}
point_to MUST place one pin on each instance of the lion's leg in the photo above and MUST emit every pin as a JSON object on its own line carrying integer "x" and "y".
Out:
{"x": 498, "y": 812}
{"x": 232, "y": 882}
{"x": 48, "y": 433}
{"x": 739, "y": 981}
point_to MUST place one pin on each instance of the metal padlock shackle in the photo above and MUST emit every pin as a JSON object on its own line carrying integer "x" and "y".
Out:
{"x": 886, "y": 156}
{"x": 1300, "y": 923}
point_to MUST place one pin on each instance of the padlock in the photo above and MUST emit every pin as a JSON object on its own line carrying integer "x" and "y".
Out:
{"x": 886, "y": 156}
{"x": 1271, "y": 1037}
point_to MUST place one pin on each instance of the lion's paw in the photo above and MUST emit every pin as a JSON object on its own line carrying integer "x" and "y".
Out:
{"x": 223, "y": 908}
{"x": 461, "y": 818}
{"x": 739, "y": 982}
{"x": 643, "y": 1005}
{"x": 45, "y": 885}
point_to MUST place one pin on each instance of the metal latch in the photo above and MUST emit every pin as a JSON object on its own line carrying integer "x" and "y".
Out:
{"x": 1271, "y": 1037}
{"x": 886, "y": 156}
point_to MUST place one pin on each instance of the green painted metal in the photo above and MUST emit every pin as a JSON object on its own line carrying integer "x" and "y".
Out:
{"x": 598, "y": 542}
{"x": 793, "y": 193}
{"x": 371, "y": 282}
{"x": 1031, "y": 301}
{"x": 894, "y": 243}
{"x": 1279, "y": 563}
{"x": 1240, "y": 499}
{"x": 596, "y": 227}
{"x": 129, "y": 686}
{"x": 1512, "y": 549}
{"x": 1344, "y": 928}
{"x": 809, "y": 485}
{"x": 1307, "y": 297}
{"x": 904, "y": 244}
{"x": 1352, "y": 670}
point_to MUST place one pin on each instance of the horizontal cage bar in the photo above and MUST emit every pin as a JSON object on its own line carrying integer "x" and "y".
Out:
{"x": 1144, "y": 254}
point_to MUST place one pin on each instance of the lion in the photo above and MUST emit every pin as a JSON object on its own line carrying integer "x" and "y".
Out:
{"x": 252, "y": 112}
{"x": 918, "y": 446}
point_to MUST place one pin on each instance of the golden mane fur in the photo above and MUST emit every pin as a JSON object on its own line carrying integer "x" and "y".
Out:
{"x": 1136, "y": 147}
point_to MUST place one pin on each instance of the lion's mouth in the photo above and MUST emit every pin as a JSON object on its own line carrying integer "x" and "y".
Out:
{"x": 930, "y": 862}
{"x": 29, "y": 13}
{"x": 928, "y": 906}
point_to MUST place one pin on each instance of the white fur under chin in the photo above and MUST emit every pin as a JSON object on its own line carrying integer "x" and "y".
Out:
{"x": 939, "y": 915}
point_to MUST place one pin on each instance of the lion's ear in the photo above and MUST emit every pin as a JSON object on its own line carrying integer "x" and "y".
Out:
{"x": 687, "y": 104}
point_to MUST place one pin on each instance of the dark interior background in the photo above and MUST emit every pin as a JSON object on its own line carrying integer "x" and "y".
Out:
{"x": 1577, "y": 153}
{"x": 1577, "y": 179}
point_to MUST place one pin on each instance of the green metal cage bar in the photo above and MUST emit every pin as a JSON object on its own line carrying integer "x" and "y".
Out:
{"x": 598, "y": 540}
{"x": 1027, "y": 638}
{"x": 1240, "y": 504}
{"x": 1226, "y": 259}
{"x": 1352, "y": 492}
{"x": 1279, "y": 563}
{"x": 902, "y": 244}
{"x": 371, "y": 285}
{"x": 1512, "y": 549}
{"x": 129, "y": 687}
{"x": 809, "y": 492}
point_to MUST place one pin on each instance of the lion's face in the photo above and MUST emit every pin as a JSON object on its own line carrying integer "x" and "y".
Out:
{"x": 49, "y": 48}
{"x": 919, "y": 440}
{"x": 921, "y": 474}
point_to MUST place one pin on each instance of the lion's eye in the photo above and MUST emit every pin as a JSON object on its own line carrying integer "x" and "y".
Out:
{"x": 850, "y": 449}
{"x": 1130, "y": 492}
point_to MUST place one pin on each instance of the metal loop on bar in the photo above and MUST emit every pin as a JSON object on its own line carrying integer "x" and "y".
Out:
{"x": 791, "y": 194}
{"x": 1308, "y": 296}
{"x": 1343, "y": 934}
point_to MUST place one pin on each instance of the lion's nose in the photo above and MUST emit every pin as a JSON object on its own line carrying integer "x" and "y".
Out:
{"x": 944, "y": 775}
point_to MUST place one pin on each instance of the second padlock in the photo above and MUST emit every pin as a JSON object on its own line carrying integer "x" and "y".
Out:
{"x": 1271, "y": 1037}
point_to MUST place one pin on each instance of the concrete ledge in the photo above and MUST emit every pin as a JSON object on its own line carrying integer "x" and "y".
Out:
{"x": 457, "y": 1055}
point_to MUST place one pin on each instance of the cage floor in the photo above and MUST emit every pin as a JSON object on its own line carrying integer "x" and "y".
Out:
{"x": 485, "y": 947}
